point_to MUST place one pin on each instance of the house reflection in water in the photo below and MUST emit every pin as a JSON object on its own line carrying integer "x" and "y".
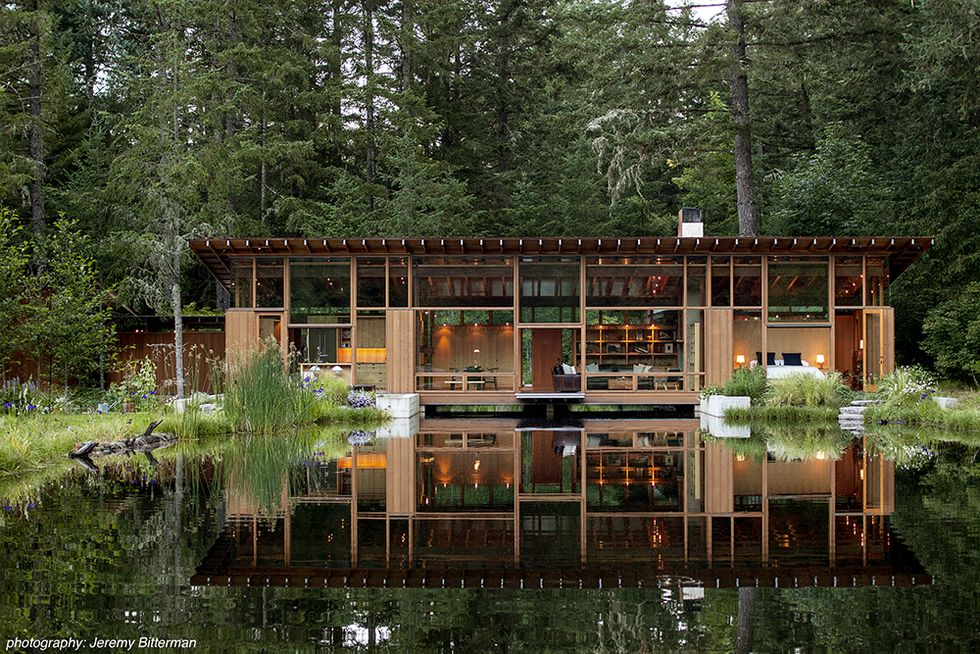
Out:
{"x": 617, "y": 502}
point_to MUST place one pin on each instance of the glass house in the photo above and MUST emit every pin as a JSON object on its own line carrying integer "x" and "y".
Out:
{"x": 603, "y": 320}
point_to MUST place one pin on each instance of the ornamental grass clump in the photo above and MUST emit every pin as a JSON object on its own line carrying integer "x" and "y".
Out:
{"x": 749, "y": 382}
{"x": 807, "y": 391}
{"x": 906, "y": 387}
{"x": 263, "y": 397}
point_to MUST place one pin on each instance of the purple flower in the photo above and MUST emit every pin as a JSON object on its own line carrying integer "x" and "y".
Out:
{"x": 153, "y": 392}
{"x": 8, "y": 405}
{"x": 30, "y": 407}
{"x": 30, "y": 505}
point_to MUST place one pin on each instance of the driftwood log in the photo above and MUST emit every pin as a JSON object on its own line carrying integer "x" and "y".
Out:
{"x": 145, "y": 442}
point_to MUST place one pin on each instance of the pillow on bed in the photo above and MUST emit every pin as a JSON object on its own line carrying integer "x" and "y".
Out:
{"x": 770, "y": 358}
{"x": 793, "y": 358}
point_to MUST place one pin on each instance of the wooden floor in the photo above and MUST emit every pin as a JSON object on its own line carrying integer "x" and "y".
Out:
{"x": 652, "y": 398}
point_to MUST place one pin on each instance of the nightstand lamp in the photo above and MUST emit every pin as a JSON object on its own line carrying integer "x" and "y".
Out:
{"x": 820, "y": 361}
{"x": 739, "y": 360}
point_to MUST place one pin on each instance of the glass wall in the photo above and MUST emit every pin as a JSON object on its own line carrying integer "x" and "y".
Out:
{"x": 798, "y": 289}
{"x": 371, "y": 352}
{"x": 747, "y": 281}
{"x": 463, "y": 282}
{"x": 696, "y": 281}
{"x": 550, "y": 289}
{"x": 747, "y": 337}
{"x": 634, "y": 281}
{"x": 320, "y": 291}
{"x": 465, "y": 350}
{"x": 877, "y": 281}
{"x": 268, "y": 282}
{"x": 241, "y": 282}
{"x": 647, "y": 344}
{"x": 721, "y": 277}
{"x": 398, "y": 282}
{"x": 849, "y": 281}
{"x": 371, "y": 276}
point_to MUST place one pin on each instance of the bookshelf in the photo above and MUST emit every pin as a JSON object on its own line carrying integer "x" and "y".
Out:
{"x": 628, "y": 344}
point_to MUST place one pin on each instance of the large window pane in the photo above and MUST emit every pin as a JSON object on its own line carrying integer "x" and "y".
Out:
{"x": 550, "y": 289}
{"x": 848, "y": 282}
{"x": 747, "y": 282}
{"x": 371, "y": 275}
{"x": 634, "y": 281}
{"x": 397, "y": 283}
{"x": 241, "y": 283}
{"x": 464, "y": 282}
{"x": 268, "y": 282}
{"x": 747, "y": 339}
{"x": 322, "y": 345}
{"x": 877, "y": 281}
{"x": 721, "y": 276}
{"x": 696, "y": 281}
{"x": 319, "y": 291}
{"x": 798, "y": 289}
{"x": 648, "y": 344}
{"x": 371, "y": 350}
{"x": 477, "y": 344}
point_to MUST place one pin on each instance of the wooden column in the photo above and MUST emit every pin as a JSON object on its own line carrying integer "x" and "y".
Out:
{"x": 719, "y": 490}
{"x": 887, "y": 340}
{"x": 719, "y": 354}
{"x": 400, "y": 486}
{"x": 400, "y": 342}
{"x": 241, "y": 335}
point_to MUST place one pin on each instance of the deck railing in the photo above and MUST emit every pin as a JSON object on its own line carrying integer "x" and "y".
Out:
{"x": 464, "y": 381}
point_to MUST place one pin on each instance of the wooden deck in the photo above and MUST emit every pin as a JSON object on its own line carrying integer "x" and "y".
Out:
{"x": 651, "y": 398}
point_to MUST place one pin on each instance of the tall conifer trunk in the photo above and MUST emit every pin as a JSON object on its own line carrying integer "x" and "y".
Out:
{"x": 748, "y": 216}
{"x": 35, "y": 128}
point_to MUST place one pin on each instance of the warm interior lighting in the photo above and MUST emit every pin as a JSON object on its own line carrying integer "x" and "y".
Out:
{"x": 740, "y": 360}
{"x": 861, "y": 344}
{"x": 820, "y": 361}
{"x": 740, "y": 457}
{"x": 820, "y": 455}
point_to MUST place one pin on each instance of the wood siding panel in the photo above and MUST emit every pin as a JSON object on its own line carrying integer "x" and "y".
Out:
{"x": 400, "y": 488}
{"x": 199, "y": 347}
{"x": 400, "y": 341}
{"x": 718, "y": 339}
{"x": 888, "y": 338}
{"x": 718, "y": 468}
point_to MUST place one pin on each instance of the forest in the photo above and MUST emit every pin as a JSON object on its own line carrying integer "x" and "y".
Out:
{"x": 133, "y": 125}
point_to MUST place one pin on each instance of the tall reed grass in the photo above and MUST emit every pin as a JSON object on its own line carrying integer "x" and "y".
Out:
{"x": 807, "y": 391}
{"x": 263, "y": 397}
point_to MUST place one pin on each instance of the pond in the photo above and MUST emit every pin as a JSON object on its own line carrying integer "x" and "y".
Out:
{"x": 488, "y": 535}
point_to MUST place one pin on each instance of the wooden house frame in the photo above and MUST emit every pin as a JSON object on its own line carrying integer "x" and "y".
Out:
{"x": 647, "y": 320}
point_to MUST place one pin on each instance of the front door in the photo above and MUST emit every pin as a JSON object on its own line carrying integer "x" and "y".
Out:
{"x": 541, "y": 350}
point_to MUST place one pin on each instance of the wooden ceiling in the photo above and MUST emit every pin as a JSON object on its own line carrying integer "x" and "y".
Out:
{"x": 901, "y": 251}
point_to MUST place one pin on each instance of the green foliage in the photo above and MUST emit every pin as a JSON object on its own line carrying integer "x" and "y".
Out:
{"x": 138, "y": 386}
{"x": 906, "y": 386}
{"x": 13, "y": 274}
{"x": 834, "y": 190}
{"x": 780, "y": 414}
{"x": 747, "y": 381}
{"x": 952, "y": 334}
{"x": 808, "y": 391}
{"x": 264, "y": 397}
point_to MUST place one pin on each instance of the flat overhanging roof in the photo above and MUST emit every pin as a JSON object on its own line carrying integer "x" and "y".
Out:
{"x": 901, "y": 251}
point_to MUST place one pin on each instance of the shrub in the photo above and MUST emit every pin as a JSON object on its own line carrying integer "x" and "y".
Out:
{"x": 805, "y": 390}
{"x": 906, "y": 386}
{"x": 359, "y": 400}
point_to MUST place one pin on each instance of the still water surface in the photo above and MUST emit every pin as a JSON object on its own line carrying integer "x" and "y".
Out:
{"x": 479, "y": 535}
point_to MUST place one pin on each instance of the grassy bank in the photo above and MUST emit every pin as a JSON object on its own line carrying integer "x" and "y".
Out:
{"x": 781, "y": 414}
{"x": 926, "y": 414}
{"x": 29, "y": 443}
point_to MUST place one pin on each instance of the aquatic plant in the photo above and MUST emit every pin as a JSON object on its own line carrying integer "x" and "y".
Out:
{"x": 263, "y": 397}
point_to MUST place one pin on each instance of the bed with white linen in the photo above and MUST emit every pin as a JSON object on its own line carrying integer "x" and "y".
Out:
{"x": 781, "y": 372}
